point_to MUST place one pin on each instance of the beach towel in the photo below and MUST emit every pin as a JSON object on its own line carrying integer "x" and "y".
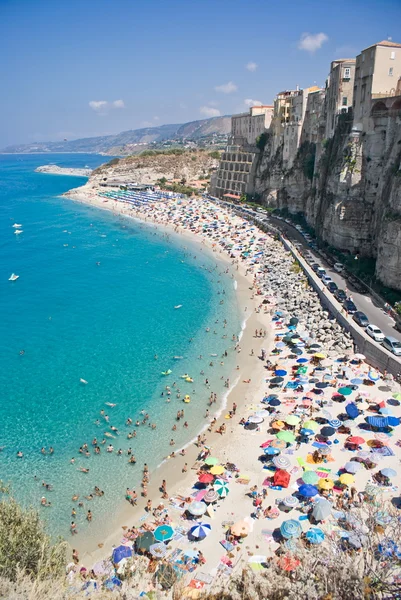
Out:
{"x": 227, "y": 545}
{"x": 174, "y": 555}
{"x": 384, "y": 451}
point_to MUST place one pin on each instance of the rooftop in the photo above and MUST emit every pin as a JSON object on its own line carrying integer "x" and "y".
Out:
{"x": 387, "y": 43}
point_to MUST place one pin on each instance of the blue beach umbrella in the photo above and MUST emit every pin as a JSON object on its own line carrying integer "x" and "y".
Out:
{"x": 378, "y": 422}
{"x": 386, "y": 411}
{"x": 307, "y": 432}
{"x": 302, "y": 361}
{"x": 121, "y": 552}
{"x": 327, "y": 431}
{"x": 280, "y": 345}
{"x": 352, "y": 410}
{"x": 373, "y": 376}
{"x": 163, "y": 533}
{"x": 357, "y": 381}
{"x": 269, "y": 451}
{"x": 345, "y": 391}
{"x": 388, "y": 472}
{"x": 321, "y": 385}
{"x": 308, "y": 490}
{"x": 393, "y": 421}
{"x": 352, "y": 467}
{"x": 291, "y": 529}
{"x": 274, "y": 402}
{"x": 200, "y": 531}
{"x": 336, "y": 423}
{"x": 315, "y": 535}
{"x": 281, "y": 373}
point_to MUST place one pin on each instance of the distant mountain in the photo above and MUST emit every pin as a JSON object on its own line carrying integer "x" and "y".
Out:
{"x": 127, "y": 141}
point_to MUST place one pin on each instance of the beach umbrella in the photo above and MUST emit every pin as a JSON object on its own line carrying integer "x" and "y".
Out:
{"x": 344, "y": 391}
{"x": 158, "y": 550}
{"x": 278, "y": 425}
{"x": 382, "y": 437}
{"x": 163, "y": 533}
{"x": 325, "y": 451}
{"x": 270, "y": 451}
{"x": 306, "y": 432}
{"x": 200, "y": 531}
{"x": 347, "y": 479}
{"x": 292, "y": 420}
{"x": 210, "y": 496}
{"x": 325, "y": 483}
{"x": 255, "y": 420}
{"x": 356, "y": 439}
{"x": 286, "y": 436}
{"x": 121, "y": 552}
{"x": 221, "y": 487}
{"x": 315, "y": 535}
{"x": 378, "y": 422}
{"x": 359, "y": 357}
{"x": 373, "y": 376}
{"x": 327, "y": 431}
{"x": 144, "y": 541}
{"x": 211, "y": 461}
{"x": 279, "y": 444}
{"x": 197, "y": 508}
{"x": 372, "y": 490}
{"x": 112, "y": 582}
{"x": 280, "y": 345}
{"x": 261, "y": 413}
{"x": 393, "y": 421}
{"x": 352, "y": 410}
{"x": 336, "y": 423}
{"x": 356, "y": 381}
{"x": 308, "y": 491}
{"x": 319, "y": 355}
{"x": 321, "y": 385}
{"x": 274, "y": 402}
{"x": 281, "y": 462}
{"x": 353, "y": 467}
{"x": 310, "y": 477}
{"x": 290, "y": 501}
{"x": 388, "y": 472}
{"x": 291, "y": 529}
{"x": 302, "y": 361}
{"x": 288, "y": 563}
{"x": 240, "y": 529}
{"x": 206, "y": 478}
{"x": 397, "y": 396}
{"x": 386, "y": 411}
{"x": 217, "y": 470}
{"x": 281, "y": 372}
{"x": 321, "y": 510}
{"x": 311, "y": 425}
{"x": 276, "y": 379}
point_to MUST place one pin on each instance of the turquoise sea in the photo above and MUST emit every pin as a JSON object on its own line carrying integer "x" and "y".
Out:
{"x": 68, "y": 318}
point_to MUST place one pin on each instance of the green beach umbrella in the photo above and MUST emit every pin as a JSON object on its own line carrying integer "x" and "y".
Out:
{"x": 311, "y": 425}
{"x": 292, "y": 420}
{"x": 344, "y": 391}
{"x": 310, "y": 477}
{"x": 211, "y": 461}
{"x": 221, "y": 488}
{"x": 397, "y": 396}
{"x": 286, "y": 436}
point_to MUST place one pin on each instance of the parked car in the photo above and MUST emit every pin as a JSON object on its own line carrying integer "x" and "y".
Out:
{"x": 392, "y": 344}
{"x": 320, "y": 272}
{"x": 315, "y": 267}
{"x": 340, "y": 295}
{"x": 339, "y": 267}
{"x": 360, "y": 318}
{"x": 375, "y": 332}
{"x": 350, "y": 307}
{"x": 326, "y": 279}
{"x": 332, "y": 287}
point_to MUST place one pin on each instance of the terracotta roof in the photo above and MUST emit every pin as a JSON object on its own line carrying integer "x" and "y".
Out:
{"x": 385, "y": 43}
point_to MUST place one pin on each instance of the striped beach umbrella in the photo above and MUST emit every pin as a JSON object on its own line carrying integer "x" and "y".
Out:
{"x": 291, "y": 501}
{"x": 221, "y": 488}
{"x": 211, "y": 496}
{"x": 200, "y": 531}
{"x": 336, "y": 423}
{"x": 291, "y": 529}
{"x": 281, "y": 462}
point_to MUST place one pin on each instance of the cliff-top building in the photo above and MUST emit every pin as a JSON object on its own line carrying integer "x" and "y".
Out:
{"x": 247, "y": 127}
{"x": 339, "y": 91}
{"x": 377, "y": 71}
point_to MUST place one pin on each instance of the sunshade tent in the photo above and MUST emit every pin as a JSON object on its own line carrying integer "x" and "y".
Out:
{"x": 200, "y": 531}
{"x": 121, "y": 552}
{"x": 163, "y": 533}
{"x": 321, "y": 510}
{"x": 290, "y": 529}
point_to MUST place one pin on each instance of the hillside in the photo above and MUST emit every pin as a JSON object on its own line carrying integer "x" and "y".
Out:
{"x": 136, "y": 140}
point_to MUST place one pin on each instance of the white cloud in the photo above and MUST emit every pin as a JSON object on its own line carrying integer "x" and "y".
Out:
{"x": 226, "y": 88}
{"x": 208, "y": 111}
{"x": 156, "y": 118}
{"x": 102, "y": 107}
{"x": 249, "y": 102}
{"x": 251, "y": 66}
{"x": 312, "y": 41}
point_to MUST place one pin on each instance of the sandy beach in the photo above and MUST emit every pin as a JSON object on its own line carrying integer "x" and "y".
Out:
{"x": 290, "y": 395}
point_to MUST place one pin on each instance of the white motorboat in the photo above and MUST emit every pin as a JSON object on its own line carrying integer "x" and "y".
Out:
{"x": 83, "y": 381}
{"x": 178, "y": 306}
{"x": 13, "y": 277}
{"x": 16, "y": 225}
{"x": 18, "y": 231}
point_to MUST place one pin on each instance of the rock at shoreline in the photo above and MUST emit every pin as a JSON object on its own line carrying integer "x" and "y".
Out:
{"x": 56, "y": 170}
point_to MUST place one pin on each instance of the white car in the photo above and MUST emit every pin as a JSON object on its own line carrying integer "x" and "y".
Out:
{"x": 375, "y": 333}
{"x": 326, "y": 279}
{"x": 339, "y": 267}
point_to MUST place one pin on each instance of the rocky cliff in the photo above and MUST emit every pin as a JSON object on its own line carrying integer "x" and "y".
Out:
{"x": 347, "y": 187}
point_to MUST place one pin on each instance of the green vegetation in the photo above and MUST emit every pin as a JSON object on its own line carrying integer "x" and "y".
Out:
{"x": 306, "y": 156}
{"x": 215, "y": 154}
{"x": 177, "y": 188}
{"x": 261, "y": 141}
{"x": 171, "y": 151}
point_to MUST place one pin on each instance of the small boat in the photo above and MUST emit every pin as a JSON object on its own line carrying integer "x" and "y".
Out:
{"x": 18, "y": 231}
{"x": 17, "y": 225}
{"x": 83, "y": 381}
{"x": 178, "y": 306}
{"x": 13, "y": 277}
{"x": 166, "y": 372}
{"x": 213, "y": 355}
{"x": 177, "y": 357}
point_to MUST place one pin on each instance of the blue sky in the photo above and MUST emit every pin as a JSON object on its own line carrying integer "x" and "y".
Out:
{"x": 78, "y": 68}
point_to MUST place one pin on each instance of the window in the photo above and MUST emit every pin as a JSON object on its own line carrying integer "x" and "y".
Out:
{"x": 392, "y": 56}
{"x": 347, "y": 73}
{"x": 390, "y": 71}
{"x": 363, "y": 58}
{"x": 345, "y": 101}
{"x": 363, "y": 93}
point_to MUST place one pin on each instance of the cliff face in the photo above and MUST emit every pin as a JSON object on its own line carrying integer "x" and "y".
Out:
{"x": 352, "y": 195}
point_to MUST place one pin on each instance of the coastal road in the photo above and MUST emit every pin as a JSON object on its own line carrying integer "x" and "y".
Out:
{"x": 363, "y": 302}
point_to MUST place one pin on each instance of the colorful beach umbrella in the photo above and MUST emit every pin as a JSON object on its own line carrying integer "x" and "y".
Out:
{"x": 347, "y": 479}
{"x": 291, "y": 529}
{"x": 211, "y": 461}
{"x": 292, "y": 420}
{"x": 291, "y": 501}
{"x": 352, "y": 410}
{"x": 211, "y": 496}
{"x": 270, "y": 451}
{"x": 197, "y": 508}
{"x": 308, "y": 491}
{"x": 310, "y": 477}
{"x": 221, "y": 487}
{"x": 388, "y": 472}
{"x": 144, "y": 541}
{"x": 306, "y": 432}
{"x": 281, "y": 462}
{"x": 311, "y": 425}
{"x": 206, "y": 478}
{"x": 281, "y": 372}
{"x": 120, "y": 553}
{"x": 356, "y": 439}
{"x": 200, "y": 531}
{"x": 217, "y": 470}
{"x": 286, "y": 436}
{"x": 374, "y": 376}
{"x": 336, "y": 423}
{"x": 344, "y": 391}
{"x": 163, "y": 533}
{"x": 302, "y": 361}
{"x": 279, "y": 444}
{"x": 314, "y": 535}
{"x": 240, "y": 529}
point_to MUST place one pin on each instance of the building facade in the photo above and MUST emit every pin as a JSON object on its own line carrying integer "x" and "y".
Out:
{"x": 377, "y": 71}
{"x": 247, "y": 127}
{"x": 339, "y": 92}
{"x": 314, "y": 118}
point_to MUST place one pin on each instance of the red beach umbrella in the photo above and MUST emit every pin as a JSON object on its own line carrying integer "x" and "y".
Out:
{"x": 355, "y": 439}
{"x": 288, "y": 563}
{"x": 206, "y": 478}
